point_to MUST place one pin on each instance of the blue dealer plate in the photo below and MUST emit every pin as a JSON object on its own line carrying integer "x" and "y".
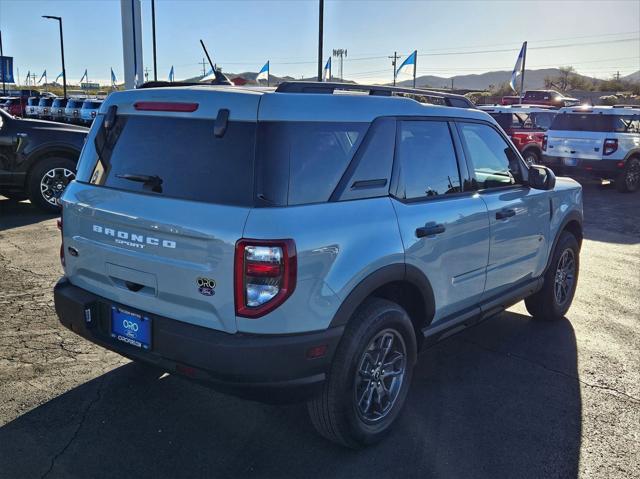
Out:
{"x": 131, "y": 328}
{"x": 570, "y": 161}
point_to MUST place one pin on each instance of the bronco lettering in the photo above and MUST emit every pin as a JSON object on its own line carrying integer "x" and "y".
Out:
{"x": 132, "y": 239}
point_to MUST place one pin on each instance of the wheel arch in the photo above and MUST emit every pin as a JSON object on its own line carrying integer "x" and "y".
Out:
{"x": 55, "y": 151}
{"x": 571, "y": 223}
{"x": 401, "y": 283}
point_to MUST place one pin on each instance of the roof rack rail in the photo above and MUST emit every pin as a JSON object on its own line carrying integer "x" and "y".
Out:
{"x": 626, "y": 105}
{"x": 220, "y": 79}
{"x": 438, "y": 98}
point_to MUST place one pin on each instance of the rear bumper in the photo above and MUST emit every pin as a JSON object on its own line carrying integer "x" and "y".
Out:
{"x": 603, "y": 168}
{"x": 264, "y": 368}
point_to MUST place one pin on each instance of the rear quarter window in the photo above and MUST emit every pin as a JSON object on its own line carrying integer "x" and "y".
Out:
{"x": 302, "y": 162}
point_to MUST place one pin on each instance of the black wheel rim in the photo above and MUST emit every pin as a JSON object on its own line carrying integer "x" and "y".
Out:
{"x": 530, "y": 159}
{"x": 380, "y": 375}
{"x": 54, "y": 182}
{"x": 632, "y": 177}
{"x": 565, "y": 277}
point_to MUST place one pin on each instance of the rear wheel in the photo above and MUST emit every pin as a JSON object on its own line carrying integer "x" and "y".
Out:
{"x": 48, "y": 180}
{"x": 554, "y": 299}
{"x": 629, "y": 179}
{"x": 369, "y": 378}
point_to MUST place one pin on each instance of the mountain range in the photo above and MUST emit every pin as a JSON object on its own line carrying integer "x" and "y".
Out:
{"x": 534, "y": 79}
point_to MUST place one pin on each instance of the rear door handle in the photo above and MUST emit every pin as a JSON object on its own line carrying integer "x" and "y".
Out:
{"x": 504, "y": 214}
{"x": 429, "y": 230}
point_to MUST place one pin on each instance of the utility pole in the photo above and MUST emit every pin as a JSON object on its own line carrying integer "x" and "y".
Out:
{"x": 64, "y": 71}
{"x": 394, "y": 62}
{"x": 146, "y": 74}
{"x": 617, "y": 75}
{"x": 153, "y": 34}
{"x": 320, "y": 29}
{"x": 204, "y": 64}
{"x": 4, "y": 89}
{"x": 451, "y": 83}
{"x": 340, "y": 53}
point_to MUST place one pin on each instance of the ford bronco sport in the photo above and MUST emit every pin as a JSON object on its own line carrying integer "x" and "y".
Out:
{"x": 299, "y": 244}
{"x": 600, "y": 141}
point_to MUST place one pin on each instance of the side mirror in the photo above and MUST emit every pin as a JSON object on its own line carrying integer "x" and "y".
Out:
{"x": 541, "y": 178}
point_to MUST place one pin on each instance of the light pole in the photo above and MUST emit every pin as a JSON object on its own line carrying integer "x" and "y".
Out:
{"x": 153, "y": 34}
{"x": 320, "y": 28}
{"x": 64, "y": 72}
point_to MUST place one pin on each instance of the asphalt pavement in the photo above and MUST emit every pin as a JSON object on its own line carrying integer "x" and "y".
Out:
{"x": 509, "y": 398}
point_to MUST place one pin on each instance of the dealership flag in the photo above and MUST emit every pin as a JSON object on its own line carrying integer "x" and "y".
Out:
{"x": 59, "y": 76}
{"x": 171, "y": 75}
{"x": 44, "y": 75}
{"x": 85, "y": 76}
{"x": 114, "y": 80}
{"x": 263, "y": 74}
{"x": 519, "y": 68}
{"x": 409, "y": 63}
{"x": 326, "y": 74}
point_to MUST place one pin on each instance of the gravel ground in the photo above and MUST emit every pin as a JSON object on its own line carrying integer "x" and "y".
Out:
{"x": 508, "y": 398}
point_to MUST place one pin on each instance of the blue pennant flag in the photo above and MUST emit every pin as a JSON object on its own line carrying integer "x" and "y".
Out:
{"x": 263, "y": 74}
{"x": 517, "y": 69}
{"x": 171, "y": 74}
{"x": 409, "y": 62}
{"x": 114, "y": 80}
{"x": 60, "y": 75}
{"x": 85, "y": 76}
{"x": 44, "y": 75}
{"x": 326, "y": 74}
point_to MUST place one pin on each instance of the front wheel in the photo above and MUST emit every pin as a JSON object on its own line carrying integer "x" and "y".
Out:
{"x": 629, "y": 179}
{"x": 369, "y": 378}
{"x": 554, "y": 299}
{"x": 48, "y": 180}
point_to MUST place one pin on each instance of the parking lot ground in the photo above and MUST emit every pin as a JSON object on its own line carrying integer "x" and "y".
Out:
{"x": 508, "y": 398}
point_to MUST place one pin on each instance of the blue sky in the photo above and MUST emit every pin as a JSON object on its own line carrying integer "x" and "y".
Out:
{"x": 597, "y": 37}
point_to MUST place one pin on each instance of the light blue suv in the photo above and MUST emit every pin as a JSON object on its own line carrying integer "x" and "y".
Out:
{"x": 305, "y": 243}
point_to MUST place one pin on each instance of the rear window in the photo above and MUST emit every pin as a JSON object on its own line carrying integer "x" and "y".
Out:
{"x": 74, "y": 103}
{"x": 91, "y": 104}
{"x": 45, "y": 102}
{"x": 32, "y": 101}
{"x": 302, "y": 162}
{"x": 60, "y": 102}
{"x": 173, "y": 157}
{"x": 582, "y": 122}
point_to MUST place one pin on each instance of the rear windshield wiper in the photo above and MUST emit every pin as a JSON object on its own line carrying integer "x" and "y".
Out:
{"x": 154, "y": 182}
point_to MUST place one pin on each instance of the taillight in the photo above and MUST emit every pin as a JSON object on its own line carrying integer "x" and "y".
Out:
{"x": 93, "y": 114}
{"x": 59, "y": 223}
{"x": 265, "y": 275}
{"x": 544, "y": 143}
{"x": 610, "y": 146}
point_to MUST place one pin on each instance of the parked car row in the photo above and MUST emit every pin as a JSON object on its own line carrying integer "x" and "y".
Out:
{"x": 69, "y": 110}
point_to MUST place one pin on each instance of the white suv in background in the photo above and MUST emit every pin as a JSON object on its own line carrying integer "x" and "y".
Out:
{"x": 603, "y": 141}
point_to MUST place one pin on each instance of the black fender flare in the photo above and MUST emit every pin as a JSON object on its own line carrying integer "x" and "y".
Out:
{"x": 381, "y": 277}
{"x": 632, "y": 153}
{"x": 573, "y": 215}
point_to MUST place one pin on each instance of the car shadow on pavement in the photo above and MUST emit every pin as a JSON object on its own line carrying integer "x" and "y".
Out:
{"x": 14, "y": 214}
{"x": 498, "y": 400}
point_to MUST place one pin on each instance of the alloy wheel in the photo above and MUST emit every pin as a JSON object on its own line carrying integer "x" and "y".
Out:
{"x": 380, "y": 374}
{"x": 565, "y": 277}
{"x": 54, "y": 182}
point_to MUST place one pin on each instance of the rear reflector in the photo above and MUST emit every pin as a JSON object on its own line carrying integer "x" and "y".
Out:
{"x": 165, "y": 106}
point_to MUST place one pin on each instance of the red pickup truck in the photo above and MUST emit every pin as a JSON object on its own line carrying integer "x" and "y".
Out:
{"x": 526, "y": 126}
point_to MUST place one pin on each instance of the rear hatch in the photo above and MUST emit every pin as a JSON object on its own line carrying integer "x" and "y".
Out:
{"x": 579, "y": 135}
{"x": 160, "y": 202}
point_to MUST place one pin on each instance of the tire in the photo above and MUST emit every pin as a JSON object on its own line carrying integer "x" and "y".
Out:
{"x": 629, "y": 179}
{"x": 335, "y": 413}
{"x": 547, "y": 304}
{"x": 531, "y": 157}
{"x": 54, "y": 173}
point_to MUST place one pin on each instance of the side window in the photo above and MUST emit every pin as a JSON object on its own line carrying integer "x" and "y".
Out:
{"x": 427, "y": 164}
{"x": 627, "y": 124}
{"x": 493, "y": 161}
